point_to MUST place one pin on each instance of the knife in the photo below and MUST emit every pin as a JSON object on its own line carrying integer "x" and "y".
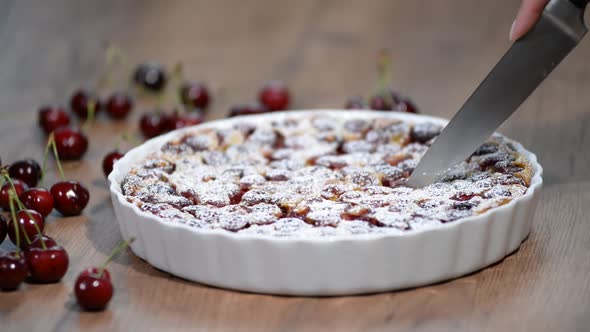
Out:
{"x": 524, "y": 66}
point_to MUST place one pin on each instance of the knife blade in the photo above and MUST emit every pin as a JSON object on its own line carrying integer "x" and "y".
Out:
{"x": 518, "y": 73}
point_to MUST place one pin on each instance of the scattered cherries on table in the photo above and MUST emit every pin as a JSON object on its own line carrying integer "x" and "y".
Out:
{"x": 37, "y": 257}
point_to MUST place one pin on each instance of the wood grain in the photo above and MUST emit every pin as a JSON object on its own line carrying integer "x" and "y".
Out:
{"x": 325, "y": 50}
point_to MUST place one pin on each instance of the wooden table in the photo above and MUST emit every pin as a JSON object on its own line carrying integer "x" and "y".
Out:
{"x": 326, "y": 51}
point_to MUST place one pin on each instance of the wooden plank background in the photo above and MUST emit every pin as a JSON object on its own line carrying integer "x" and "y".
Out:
{"x": 325, "y": 50}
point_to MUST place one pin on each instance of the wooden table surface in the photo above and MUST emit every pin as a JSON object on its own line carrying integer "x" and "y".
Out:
{"x": 325, "y": 51}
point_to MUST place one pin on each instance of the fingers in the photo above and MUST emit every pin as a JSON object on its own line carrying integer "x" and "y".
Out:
{"x": 528, "y": 14}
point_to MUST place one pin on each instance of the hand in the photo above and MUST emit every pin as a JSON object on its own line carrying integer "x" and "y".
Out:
{"x": 528, "y": 14}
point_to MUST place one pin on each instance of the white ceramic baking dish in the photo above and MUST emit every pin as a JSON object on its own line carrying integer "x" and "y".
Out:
{"x": 336, "y": 265}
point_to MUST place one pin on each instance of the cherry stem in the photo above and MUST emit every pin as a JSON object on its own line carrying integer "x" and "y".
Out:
{"x": 91, "y": 107}
{"x": 14, "y": 220}
{"x": 24, "y": 208}
{"x": 133, "y": 140}
{"x": 112, "y": 54}
{"x": 114, "y": 253}
{"x": 51, "y": 143}
{"x": 177, "y": 78}
{"x": 12, "y": 197}
{"x": 384, "y": 75}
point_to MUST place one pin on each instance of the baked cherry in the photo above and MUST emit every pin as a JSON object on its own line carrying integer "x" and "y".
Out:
{"x": 93, "y": 288}
{"x": 81, "y": 101}
{"x": 20, "y": 188}
{"x": 30, "y": 223}
{"x": 42, "y": 241}
{"x": 69, "y": 197}
{"x": 119, "y": 105}
{"x": 247, "y": 109}
{"x": 38, "y": 199}
{"x": 3, "y": 228}
{"x": 47, "y": 264}
{"x": 13, "y": 270}
{"x": 355, "y": 103}
{"x": 109, "y": 160}
{"x": 71, "y": 143}
{"x": 274, "y": 95}
{"x": 150, "y": 75}
{"x": 195, "y": 94}
{"x": 153, "y": 124}
{"x": 177, "y": 121}
{"x": 27, "y": 170}
{"x": 52, "y": 117}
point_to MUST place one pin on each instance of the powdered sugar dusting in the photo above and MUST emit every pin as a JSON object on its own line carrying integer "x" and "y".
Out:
{"x": 318, "y": 176}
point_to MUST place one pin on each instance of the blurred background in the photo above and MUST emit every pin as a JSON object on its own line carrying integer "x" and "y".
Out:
{"x": 324, "y": 50}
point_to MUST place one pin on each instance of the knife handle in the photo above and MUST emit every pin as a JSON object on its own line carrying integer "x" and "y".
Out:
{"x": 580, "y": 3}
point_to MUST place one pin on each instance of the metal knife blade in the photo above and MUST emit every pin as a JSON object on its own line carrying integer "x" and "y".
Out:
{"x": 524, "y": 66}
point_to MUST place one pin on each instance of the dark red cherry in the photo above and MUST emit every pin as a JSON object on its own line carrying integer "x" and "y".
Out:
{"x": 26, "y": 221}
{"x": 38, "y": 199}
{"x": 69, "y": 197}
{"x": 109, "y": 160}
{"x": 153, "y": 124}
{"x": 13, "y": 270}
{"x": 81, "y": 100}
{"x": 20, "y": 187}
{"x": 274, "y": 95}
{"x": 51, "y": 117}
{"x": 181, "y": 120}
{"x": 407, "y": 106}
{"x": 27, "y": 170}
{"x": 93, "y": 289}
{"x": 195, "y": 94}
{"x": 379, "y": 103}
{"x": 151, "y": 76}
{"x": 355, "y": 103}
{"x": 119, "y": 105}
{"x": 47, "y": 265}
{"x": 71, "y": 143}
{"x": 3, "y": 228}
{"x": 41, "y": 239}
{"x": 247, "y": 109}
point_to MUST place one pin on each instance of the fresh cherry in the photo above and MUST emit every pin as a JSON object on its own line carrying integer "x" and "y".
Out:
{"x": 41, "y": 239}
{"x": 153, "y": 124}
{"x": 93, "y": 289}
{"x": 26, "y": 170}
{"x": 195, "y": 94}
{"x": 177, "y": 121}
{"x": 26, "y": 224}
{"x": 274, "y": 95}
{"x": 109, "y": 160}
{"x": 355, "y": 103}
{"x": 69, "y": 197}
{"x": 119, "y": 105}
{"x": 379, "y": 103}
{"x": 47, "y": 265}
{"x": 20, "y": 188}
{"x": 13, "y": 270}
{"x": 38, "y": 199}
{"x": 81, "y": 100}
{"x": 407, "y": 106}
{"x": 71, "y": 143}
{"x": 247, "y": 109}
{"x": 150, "y": 75}
{"x": 51, "y": 117}
{"x": 3, "y": 228}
